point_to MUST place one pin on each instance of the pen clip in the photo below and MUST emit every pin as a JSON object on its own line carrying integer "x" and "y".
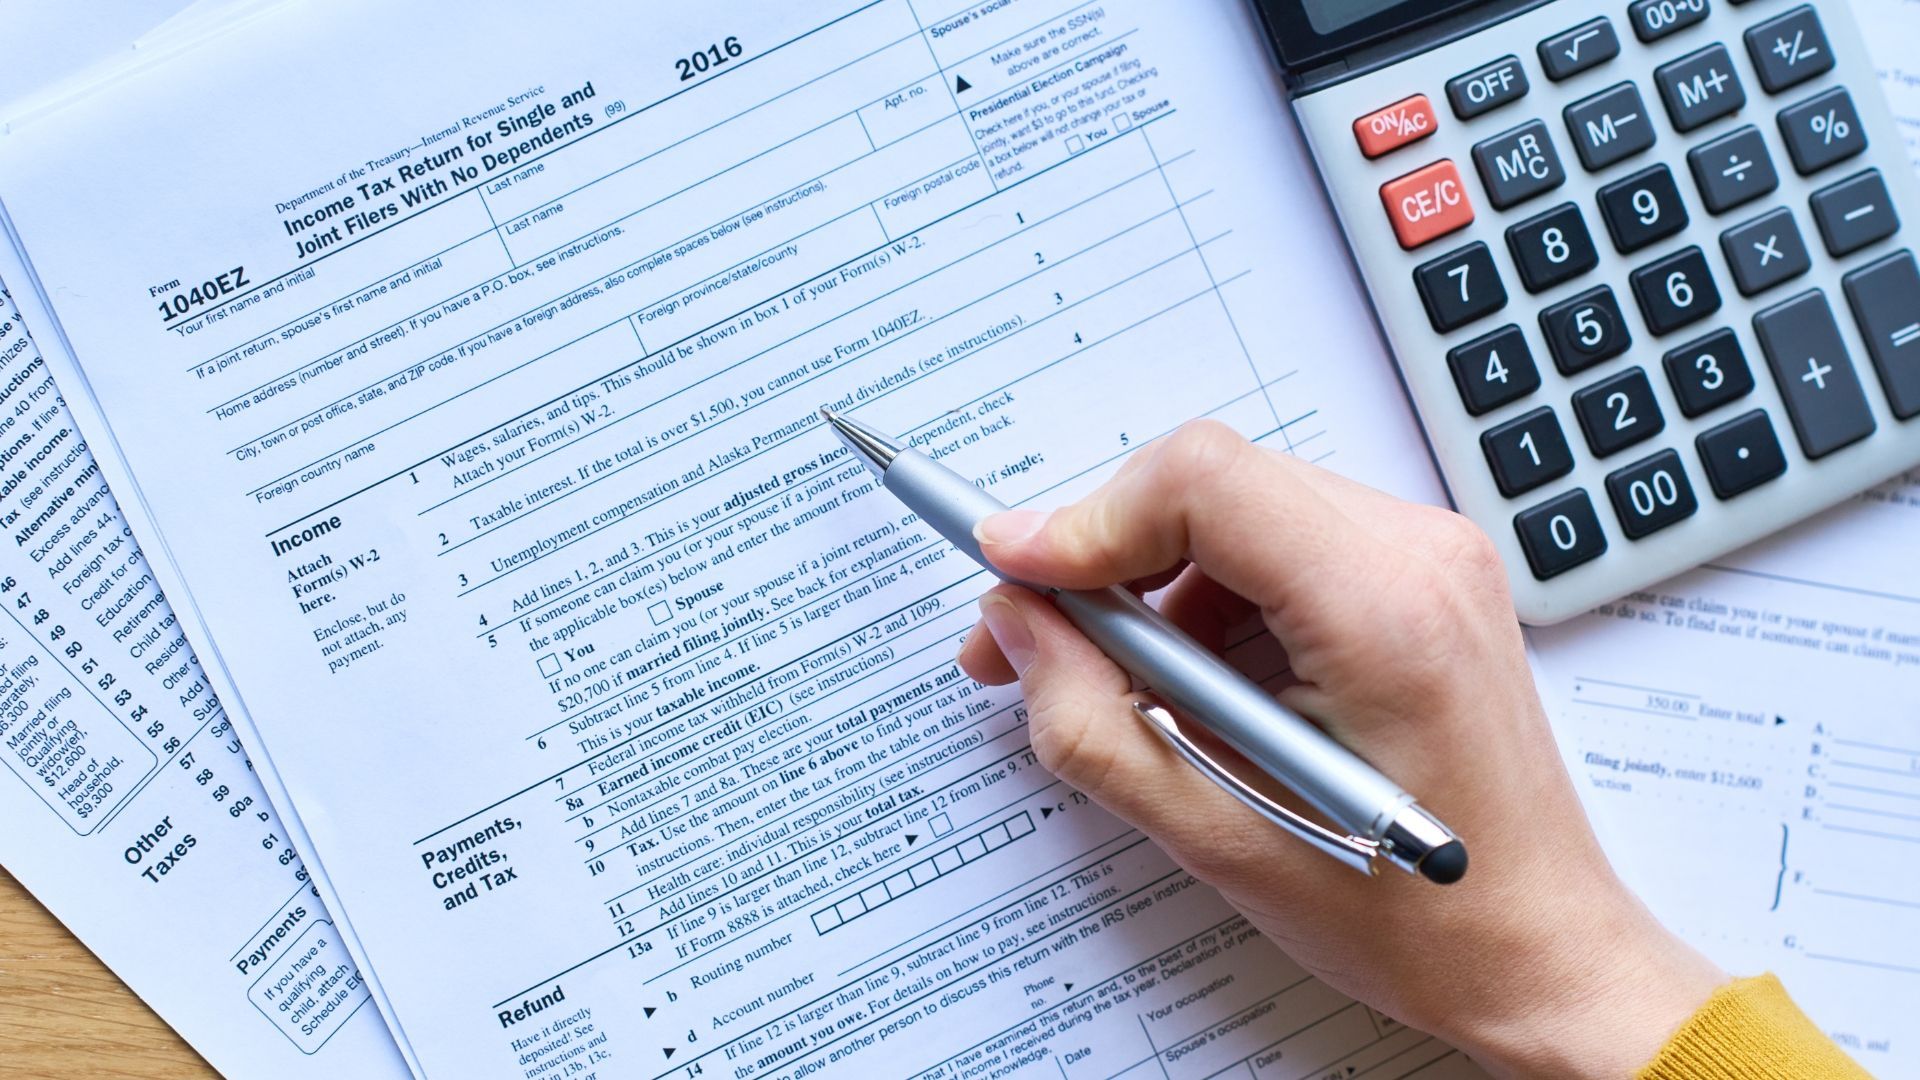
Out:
{"x": 1352, "y": 850}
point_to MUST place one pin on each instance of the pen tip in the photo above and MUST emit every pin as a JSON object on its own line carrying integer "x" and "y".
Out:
{"x": 826, "y": 414}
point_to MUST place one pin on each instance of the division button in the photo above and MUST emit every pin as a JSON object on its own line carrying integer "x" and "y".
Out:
{"x": 1655, "y": 19}
{"x": 1560, "y": 534}
{"x": 1393, "y": 127}
{"x": 1885, "y": 297}
{"x": 1789, "y": 49}
{"x": 1651, "y": 494}
{"x": 1700, "y": 87}
{"x": 1527, "y": 452}
{"x": 1822, "y": 130}
{"x": 1494, "y": 370}
{"x": 1427, "y": 204}
{"x": 1733, "y": 170}
{"x": 1645, "y": 208}
{"x": 1741, "y": 454}
{"x": 1571, "y": 52}
{"x": 1487, "y": 88}
{"x": 1815, "y": 376}
{"x": 1516, "y": 165}
{"x": 1708, "y": 373}
{"x": 1765, "y": 252}
{"x": 1855, "y": 212}
{"x": 1610, "y": 126}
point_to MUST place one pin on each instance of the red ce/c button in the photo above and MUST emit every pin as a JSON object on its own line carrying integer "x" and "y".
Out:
{"x": 1427, "y": 203}
{"x": 1395, "y": 126}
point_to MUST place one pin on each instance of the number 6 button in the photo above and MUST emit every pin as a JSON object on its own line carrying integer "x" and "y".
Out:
{"x": 1560, "y": 534}
{"x": 1650, "y": 495}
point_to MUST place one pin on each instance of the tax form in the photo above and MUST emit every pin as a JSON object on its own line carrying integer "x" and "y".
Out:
{"x": 471, "y": 386}
{"x": 132, "y": 810}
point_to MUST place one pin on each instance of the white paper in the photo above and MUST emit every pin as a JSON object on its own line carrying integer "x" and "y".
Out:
{"x": 1892, "y": 26}
{"x": 1746, "y": 742}
{"x": 831, "y": 232}
{"x": 131, "y": 807}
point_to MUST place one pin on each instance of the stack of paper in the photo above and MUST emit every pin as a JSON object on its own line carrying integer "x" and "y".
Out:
{"x": 457, "y": 366}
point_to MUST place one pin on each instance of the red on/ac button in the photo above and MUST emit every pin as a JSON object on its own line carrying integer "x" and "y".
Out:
{"x": 1427, "y": 203}
{"x": 1395, "y": 126}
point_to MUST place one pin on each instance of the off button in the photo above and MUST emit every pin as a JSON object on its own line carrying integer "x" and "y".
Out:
{"x": 1427, "y": 203}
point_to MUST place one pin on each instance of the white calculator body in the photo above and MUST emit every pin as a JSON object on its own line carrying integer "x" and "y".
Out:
{"x": 1647, "y": 266}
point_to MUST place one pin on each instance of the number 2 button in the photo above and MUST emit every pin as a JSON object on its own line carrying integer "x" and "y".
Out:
{"x": 1459, "y": 287}
{"x": 1618, "y": 411}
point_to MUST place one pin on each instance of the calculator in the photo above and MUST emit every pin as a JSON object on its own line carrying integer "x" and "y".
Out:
{"x": 1646, "y": 266}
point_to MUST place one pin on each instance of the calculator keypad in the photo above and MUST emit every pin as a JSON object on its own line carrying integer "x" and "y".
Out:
{"x": 1733, "y": 170}
{"x": 1643, "y": 209}
{"x": 1651, "y": 494}
{"x": 1552, "y": 248}
{"x": 1708, "y": 373}
{"x": 1460, "y": 286}
{"x": 1675, "y": 291}
{"x": 1585, "y": 330}
{"x": 1822, "y": 131}
{"x": 1652, "y": 416}
{"x": 1618, "y": 412}
{"x": 1815, "y": 376}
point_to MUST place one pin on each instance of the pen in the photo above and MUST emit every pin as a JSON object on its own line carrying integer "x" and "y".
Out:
{"x": 1374, "y": 818}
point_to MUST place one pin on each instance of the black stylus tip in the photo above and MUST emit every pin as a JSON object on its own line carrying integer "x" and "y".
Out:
{"x": 1445, "y": 864}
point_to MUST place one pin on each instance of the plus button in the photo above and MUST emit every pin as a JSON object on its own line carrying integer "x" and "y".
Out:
{"x": 1817, "y": 373}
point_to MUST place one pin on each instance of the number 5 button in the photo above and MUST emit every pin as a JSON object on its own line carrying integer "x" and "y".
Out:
{"x": 1650, "y": 495}
{"x": 1560, "y": 534}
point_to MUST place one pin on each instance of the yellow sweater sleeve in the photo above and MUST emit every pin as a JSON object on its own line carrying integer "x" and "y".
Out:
{"x": 1751, "y": 1030}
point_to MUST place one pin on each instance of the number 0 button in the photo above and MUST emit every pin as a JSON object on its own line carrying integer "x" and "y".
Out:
{"x": 1560, "y": 534}
{"x": 1460, "y": 286}
{"x": 1527, "y": 452}
{"x": 1650, "y": 495}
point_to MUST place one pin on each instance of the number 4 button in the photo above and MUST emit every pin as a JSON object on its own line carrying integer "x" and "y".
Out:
{"x": 1494, "y": 370}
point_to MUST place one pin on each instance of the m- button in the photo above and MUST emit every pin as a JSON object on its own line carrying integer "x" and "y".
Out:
{"x": 1427, "y": 203}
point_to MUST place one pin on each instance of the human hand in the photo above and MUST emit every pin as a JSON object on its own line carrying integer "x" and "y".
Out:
{"x": 1400, "y": 631}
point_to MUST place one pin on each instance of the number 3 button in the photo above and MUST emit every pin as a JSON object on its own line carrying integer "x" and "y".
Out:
{"x": 1560, "y": 534}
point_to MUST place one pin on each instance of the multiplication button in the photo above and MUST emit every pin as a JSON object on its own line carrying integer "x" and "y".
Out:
{"x": 1765, "y": 252}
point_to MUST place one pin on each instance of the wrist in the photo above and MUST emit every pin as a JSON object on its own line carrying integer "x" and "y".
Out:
{"x": 1606, "y": 992}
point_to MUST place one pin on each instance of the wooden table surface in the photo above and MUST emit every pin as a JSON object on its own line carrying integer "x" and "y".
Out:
{"x": 63, "y": 1014}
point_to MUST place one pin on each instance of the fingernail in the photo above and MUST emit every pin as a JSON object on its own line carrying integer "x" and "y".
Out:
{"x": 1010, "y": 631}
{"x": 1009, "y": 526}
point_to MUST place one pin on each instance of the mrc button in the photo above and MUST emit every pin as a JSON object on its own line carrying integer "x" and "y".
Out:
{"x": 1487, "y": 88}
{"x": 1426, "y": 204}
{"x": 1395, "y": 126}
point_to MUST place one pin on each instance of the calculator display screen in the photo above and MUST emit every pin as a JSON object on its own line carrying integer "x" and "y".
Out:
{"x": 1330, "y": 15}
{"x": 1315, "y": 31}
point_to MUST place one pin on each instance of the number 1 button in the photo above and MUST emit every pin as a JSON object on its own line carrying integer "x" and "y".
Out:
{"x": 1460, "y": 286}
{"x": 1560, "y": 534}
{"x": 1527, "y": 452}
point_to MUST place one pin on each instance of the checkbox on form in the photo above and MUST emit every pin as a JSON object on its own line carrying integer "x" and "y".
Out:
{"x": 549, "y": 665}
{"x": 659, "y": 612}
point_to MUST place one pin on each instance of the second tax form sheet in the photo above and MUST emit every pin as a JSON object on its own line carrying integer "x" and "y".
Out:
{"x": 467, "y": 361}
